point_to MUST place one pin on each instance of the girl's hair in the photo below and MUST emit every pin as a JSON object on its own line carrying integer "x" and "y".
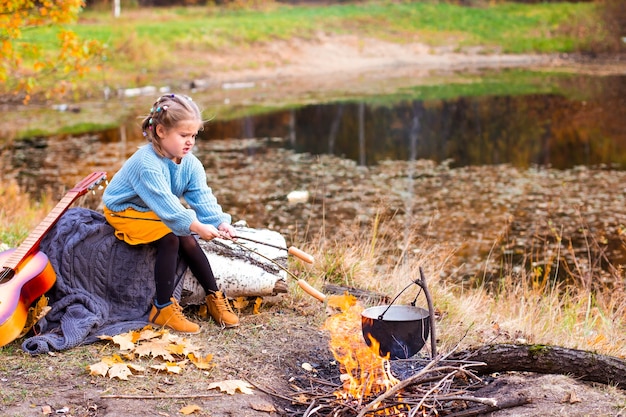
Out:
{"x": 168, "y": 111}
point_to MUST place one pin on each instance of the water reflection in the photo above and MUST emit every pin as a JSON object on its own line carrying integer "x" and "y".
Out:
{"x": 542, "y": 129}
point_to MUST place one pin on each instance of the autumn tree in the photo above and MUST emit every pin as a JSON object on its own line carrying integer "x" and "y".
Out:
{"x": 26, "y": 64}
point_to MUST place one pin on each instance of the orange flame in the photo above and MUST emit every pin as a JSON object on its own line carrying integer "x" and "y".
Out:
{"x": 364, "y": 372}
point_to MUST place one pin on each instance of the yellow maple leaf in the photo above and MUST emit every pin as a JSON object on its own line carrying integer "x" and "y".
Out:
{"x": 169, "y": 367}
{"x": 201, "y": 363}
{"x": 155, "y": 348}
{"x": 119, "y": 370}
{"x": 124, "y": 341}
{"x": 257, "y": 305}
{"x": 240, "y": 303}
{"x": 99, "y": 368}
{"x": 136, "y": 368}
{"x": 112, "y": 360}
{"x": 190, "y": 409}
{"x": 176, "y": 349}
{"x": 148, "y": 333}
{"x": 231, "y": 386}
{"x": 35, "y": 313}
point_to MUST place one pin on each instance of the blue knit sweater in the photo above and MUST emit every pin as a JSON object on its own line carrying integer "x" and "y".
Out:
{"x": 148, "y": 181}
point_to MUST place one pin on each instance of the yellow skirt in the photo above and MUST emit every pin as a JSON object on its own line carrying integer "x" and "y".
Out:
{"x": 136, "y": 227}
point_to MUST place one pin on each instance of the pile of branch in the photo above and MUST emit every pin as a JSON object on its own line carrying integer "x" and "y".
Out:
{"x": 442, "y": 387}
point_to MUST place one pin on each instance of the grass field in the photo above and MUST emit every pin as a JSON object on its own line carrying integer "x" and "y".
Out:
{"x": 143, "y": 42}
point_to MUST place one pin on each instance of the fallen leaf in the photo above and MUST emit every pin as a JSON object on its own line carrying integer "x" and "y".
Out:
{"x": 190, "y": 409}
{"x": 257, "y": 305}
{"x": 99, "y": 368}
{"x": 113, "y": 359}
{"x": 169, "y": 367}
{"x": 120, "y": 371}
{"x": 35, "y": 313}
{"x": 571, "y": 398}
{"x": 155, "y": 348}
{"x": 232, "y": 385}
{"x": 263, "y": 406}
{"x": 136, "y": 368}
{"x": 203, "y": 311}
{"x": 201, "y": 363}
{"x": 149, "y": 332}
{"x": 124, "y": 341}
{"x": 240, "y": 303}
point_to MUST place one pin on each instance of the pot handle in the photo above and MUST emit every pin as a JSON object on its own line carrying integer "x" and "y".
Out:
{"x": 421, "y": 282}
{"x": 417, "y": 282}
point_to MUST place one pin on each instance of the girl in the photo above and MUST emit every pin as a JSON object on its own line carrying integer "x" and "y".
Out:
{"x": 142, "y": 203}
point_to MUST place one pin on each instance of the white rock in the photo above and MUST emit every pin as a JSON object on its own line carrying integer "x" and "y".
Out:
{"x": 298, "y": 196}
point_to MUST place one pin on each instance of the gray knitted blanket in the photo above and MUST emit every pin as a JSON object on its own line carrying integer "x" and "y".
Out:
{"x": 103, "y": 285}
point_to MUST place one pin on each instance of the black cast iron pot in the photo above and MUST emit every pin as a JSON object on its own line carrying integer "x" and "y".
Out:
{"x": 400, "y": 330}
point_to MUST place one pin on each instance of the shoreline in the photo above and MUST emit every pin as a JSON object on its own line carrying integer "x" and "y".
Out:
{"x": 284, "y": 72}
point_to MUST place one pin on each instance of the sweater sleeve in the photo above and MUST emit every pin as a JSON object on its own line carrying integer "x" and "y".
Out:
{"x": 201, "y": 199}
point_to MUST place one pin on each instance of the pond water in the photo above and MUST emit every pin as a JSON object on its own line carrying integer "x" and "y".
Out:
{"x": 546, "y": 129}
{"x": 575, "y": 120}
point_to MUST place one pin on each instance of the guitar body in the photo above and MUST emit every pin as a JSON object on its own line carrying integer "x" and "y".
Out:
{"x": 16, "y": 295}
{"x": 25, "y": 272}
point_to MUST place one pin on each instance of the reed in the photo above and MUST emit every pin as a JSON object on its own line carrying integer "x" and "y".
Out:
{"x": 525, "y": 305}
{"x": 587, "y": 310}
{"x": 19, "y": 214}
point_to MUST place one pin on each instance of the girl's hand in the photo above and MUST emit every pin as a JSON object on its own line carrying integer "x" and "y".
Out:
{"x": 205, "y": 231}
{"x": 227, "y": 230}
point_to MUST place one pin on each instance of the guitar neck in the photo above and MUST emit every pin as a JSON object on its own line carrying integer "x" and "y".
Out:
{"x": 31, "y": 243}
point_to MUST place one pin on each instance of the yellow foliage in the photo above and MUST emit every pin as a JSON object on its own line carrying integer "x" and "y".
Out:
{"x": 231, "y": 386}
{"x": 175, "y": 351}
{"x": 190, "y": 409}
{"x": 19, "y": 15}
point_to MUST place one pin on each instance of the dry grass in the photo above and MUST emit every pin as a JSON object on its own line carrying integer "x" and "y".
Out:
{"x": 18, "y": 214}
{"x": 525, "y": 306}
{"x": 271, "y": 348}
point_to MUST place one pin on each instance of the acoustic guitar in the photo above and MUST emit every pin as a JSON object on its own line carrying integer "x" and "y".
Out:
{"x": 26, "y": 273}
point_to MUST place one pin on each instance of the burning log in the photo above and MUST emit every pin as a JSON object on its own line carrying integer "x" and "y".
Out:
{"x": 439, "y": 388}
{"x": 368, "y": 385}
{"x": 580, "y": 364}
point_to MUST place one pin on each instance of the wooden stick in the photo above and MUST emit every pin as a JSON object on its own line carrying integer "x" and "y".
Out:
{"x": 159, "y": 397}
{"x": 501, "y": 405}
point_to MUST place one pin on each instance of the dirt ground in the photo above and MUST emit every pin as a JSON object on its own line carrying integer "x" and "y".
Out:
{"x": 282, "y": 351}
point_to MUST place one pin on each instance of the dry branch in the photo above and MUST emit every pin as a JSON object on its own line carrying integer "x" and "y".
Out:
{"x": 158, "y": 397}
{"x": 500, "y": 405}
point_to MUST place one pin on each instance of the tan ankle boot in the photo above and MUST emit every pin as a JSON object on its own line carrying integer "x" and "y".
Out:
{"x": 220, "y": 310}
{"x": 172, "y": 316}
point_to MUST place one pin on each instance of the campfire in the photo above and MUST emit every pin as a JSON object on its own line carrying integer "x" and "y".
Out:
{"x": 398, "y": 383}
{"x": 364, "y": 372}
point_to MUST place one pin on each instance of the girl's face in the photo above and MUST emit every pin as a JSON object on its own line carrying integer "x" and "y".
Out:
{"x": 178, "y": 141}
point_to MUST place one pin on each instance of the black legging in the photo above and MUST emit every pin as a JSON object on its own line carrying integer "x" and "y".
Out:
{"x": 168, "y": 249}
